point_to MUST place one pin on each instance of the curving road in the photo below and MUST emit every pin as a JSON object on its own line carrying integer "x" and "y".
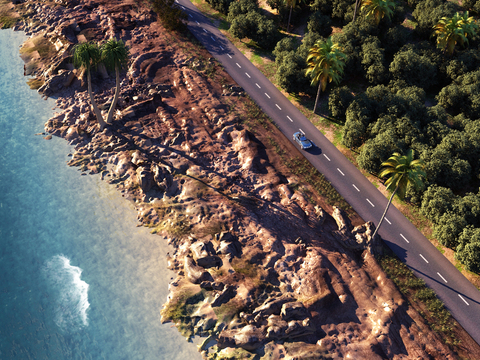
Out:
{"x": 458, "y": 294}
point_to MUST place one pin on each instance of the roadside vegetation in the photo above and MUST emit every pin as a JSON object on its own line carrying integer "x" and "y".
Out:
{"x": 410, "y": 80}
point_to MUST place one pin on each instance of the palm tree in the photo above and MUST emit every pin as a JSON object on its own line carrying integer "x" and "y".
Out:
{"x": 325, "y": 63}
{"x": 115, "y": 56}
{"x": 450, "y": 31}
{"x": 378, "y": 9}
{"x": 292, "y": 4}
{"x": 404, "y": 171}
{"x": 87, "y": 55}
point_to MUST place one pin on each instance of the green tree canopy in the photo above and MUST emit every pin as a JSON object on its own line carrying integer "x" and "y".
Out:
{"x": 468, "y": 250}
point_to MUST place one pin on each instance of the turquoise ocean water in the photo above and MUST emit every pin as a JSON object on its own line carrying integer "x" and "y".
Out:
{"x": 78, "y": 279}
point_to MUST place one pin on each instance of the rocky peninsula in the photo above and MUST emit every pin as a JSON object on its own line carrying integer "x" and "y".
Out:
{"x": 265, "y": 269}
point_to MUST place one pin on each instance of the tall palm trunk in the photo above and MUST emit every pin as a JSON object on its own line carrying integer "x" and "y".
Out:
{"x": 384, "y": 213}
{"x": 318, "y": 97}
{"x": 289, "y": 17}
{"x": 98, "y": 114}
{"x": 355, "y": 11}
{"x": 115, "y": 97}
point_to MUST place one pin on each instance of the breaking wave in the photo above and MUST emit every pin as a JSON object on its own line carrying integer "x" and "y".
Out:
{"x": 71, "y": 293}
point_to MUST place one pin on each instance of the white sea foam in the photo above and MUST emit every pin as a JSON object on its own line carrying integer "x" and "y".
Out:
{"x": 71, "y": 293}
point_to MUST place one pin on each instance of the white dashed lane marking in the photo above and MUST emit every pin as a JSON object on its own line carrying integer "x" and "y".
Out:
{"x": 356, "y": 187}
{"x": 465, "y": 301}
{"x": 204, "y": 30}
{"x": 340, "y": 171}
{"x": 190, "y": 15}
{"x": 213, "y": 38}
{"x": 197, "y": 22}
{"x": 423, "y": 257}
{"x": 289, "y": 118}
{"x": 388, "y": 221}
{"x": 370, "y": 203}
{"x": 238, "y": 65}
{"x": 442, "y": 277}
{"x": 229, "y": 56}
{"x": 327, "y": 157}
{"x": 182, "y": 8}
{"x": 221, "y": 47}
{"x": 267, "y": 95}
{"x": 404, "y": 238}
{"x": 279, "y": 108}
{"x": 248, "y": 75}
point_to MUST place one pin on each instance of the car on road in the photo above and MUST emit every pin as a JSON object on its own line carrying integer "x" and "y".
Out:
{"x": 302, "y": 140}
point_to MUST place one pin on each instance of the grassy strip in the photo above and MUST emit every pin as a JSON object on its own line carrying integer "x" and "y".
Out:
{"x": 298, "y": 165}
{"x": 423, "y": 299}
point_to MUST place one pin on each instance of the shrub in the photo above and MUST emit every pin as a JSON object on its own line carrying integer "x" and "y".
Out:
{"x": 320, "y": 24}
{"x": 414, "y": 69}
{"x": 221, "y": 5}
{"x": 377, "y": 150}
{"x": 436, "y": 201}
{"x": 339, "y": 100}
{"x": 373, "y": 61}
{"x": 429, "y": 12}
{"x": 448, "y": 228}
{"x": 468, "y": 250}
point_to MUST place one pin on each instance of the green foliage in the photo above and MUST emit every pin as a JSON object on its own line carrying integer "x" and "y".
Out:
{"x": 437, "y": 201}
{"x": 377, "y": 150}
{"x": 169, "y": 13}
{"x": 468, "y": 249}
{"x": 462, "y": 95}
{"x": 241, "y": 7}
{"x": 221, "y": 5}
{"x": 338, "y": 102}
{"x": 359, "y": 114}
{"x": 290, "y": 74}
{"x": 403, "y": 170}
{"x": 473, "y": 5}
{"x": 394, "y": 38}
{"x": 247, "y": 22}
{"x": 337, "y": 9}
{"x": 449, "y": 226}
{"x": 378, "y": 9}
{"x": 429, "y": 12}
{"x": 414, "y": 69}
{"x": 373, "y": 61}
{"x": 457, "y": 29}
{"x": 325, "y": 63}
{"x": 320, "y": 24}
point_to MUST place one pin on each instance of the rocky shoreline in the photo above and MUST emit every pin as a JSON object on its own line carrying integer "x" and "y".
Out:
{"x": 261, "y": 271}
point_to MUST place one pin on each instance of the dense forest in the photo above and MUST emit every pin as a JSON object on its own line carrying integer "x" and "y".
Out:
{"x": 417, "y": 64}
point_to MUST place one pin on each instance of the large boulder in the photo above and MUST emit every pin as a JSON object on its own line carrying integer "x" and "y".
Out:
{"x": 294, "y": 311}
{"x": 162, "y": 176}
{"x": 249, "y": 338}
{"x": 194, "y": 273}
{"x": 144, "y": 178}
{"x": 204, "y": 254}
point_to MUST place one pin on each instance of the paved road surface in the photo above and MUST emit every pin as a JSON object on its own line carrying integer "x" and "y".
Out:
{"x": 458, "y": 294}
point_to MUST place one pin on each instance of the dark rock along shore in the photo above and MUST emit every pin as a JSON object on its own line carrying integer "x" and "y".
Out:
{"x": 260, "y": 270}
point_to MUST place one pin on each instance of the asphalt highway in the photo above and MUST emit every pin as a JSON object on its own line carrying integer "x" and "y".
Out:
{"x": 460, "y": 297}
